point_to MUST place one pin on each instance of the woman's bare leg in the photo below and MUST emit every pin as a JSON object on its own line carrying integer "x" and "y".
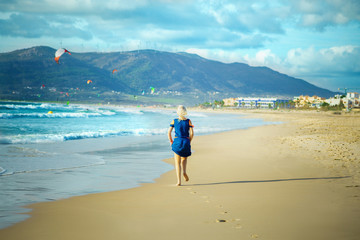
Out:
{"x": 178, "y": 168}
{"x": 183, "y": 164}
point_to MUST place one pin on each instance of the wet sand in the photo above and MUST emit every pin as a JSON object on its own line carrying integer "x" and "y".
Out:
{"x": 296, "y": 180}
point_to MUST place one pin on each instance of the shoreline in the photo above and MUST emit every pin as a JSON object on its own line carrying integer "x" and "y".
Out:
{"x": 263, "y": 182}
{"x": 93, "y": 164}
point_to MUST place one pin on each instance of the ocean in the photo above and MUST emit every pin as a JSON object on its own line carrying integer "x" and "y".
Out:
{"x": 54, "y": 151}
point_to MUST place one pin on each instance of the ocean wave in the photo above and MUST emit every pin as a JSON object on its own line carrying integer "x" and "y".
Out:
{"x": 34, "y": 106}
{"x": 56, "y": 115}
{"x": 15, "y": 106}
{"x": 104, "y": 110}
{"x": 129, "y": 111}
{"x": 49, "y": 138}
{"x": 47, "y": 106}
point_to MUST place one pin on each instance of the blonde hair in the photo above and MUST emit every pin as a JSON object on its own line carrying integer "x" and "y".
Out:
{"x": 181, "y": 111}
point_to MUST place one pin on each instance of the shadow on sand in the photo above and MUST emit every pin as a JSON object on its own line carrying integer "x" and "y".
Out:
{"x": 268, "y": 181}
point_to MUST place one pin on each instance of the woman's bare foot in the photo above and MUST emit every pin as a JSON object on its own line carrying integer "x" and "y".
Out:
{"x": 186, "y": 177}
{"x": 178, "y": 184}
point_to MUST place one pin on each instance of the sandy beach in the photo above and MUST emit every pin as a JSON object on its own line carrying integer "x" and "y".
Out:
{"x": 296, "y": 180}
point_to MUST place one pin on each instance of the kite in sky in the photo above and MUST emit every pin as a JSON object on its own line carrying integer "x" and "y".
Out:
{"x": 59, "y": 53}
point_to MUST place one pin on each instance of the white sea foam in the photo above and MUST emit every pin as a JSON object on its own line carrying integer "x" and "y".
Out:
{"x": 56, "y": 115}
{"x": 35, "y": 106}
{"x": 49, "y": 138}
{"x": 13, "y": 106}
{"x": 108, "y": 113}
{"x": 129, "y": 110}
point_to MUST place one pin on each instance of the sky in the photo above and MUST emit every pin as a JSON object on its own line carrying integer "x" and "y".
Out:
{"x": 314, "y": 40}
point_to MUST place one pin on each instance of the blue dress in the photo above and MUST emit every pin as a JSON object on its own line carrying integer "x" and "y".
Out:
{"x": 181, "y": 145}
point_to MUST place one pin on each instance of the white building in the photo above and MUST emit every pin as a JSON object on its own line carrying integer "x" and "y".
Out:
{"x": 334, "y": 100}
{"x": 351, "y": 100}
{"x": 261, "y": 102}
{"x": 352, "y": 95}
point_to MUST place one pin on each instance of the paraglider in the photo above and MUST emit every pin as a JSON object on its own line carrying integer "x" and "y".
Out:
{"x": 59, "y": 53}
{"x": 115, "y": 70}
{"x": 89, "y": 81}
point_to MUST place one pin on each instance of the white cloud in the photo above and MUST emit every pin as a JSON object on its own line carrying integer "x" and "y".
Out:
{"x": 343, "y": 60}
{"x": 320, "y": 14}
{"x": 267, "y": 58}
{"x": 338, "y": 59}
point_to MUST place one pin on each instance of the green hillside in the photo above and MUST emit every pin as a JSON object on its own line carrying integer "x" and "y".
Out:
{"x": 32, "y": 74}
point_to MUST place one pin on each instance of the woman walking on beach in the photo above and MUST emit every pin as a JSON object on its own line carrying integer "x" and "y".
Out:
{"x": 181, "y": 147}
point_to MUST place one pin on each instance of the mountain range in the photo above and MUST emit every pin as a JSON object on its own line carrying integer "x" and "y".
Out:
{"x": 143, "y": 75}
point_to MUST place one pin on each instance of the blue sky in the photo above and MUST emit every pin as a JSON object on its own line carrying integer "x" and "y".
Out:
{"x": 315, "y": 40}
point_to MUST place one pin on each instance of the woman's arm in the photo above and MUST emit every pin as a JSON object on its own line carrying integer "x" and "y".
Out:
{"x": 191, "y": 133}
{"x": 169, "y": 135}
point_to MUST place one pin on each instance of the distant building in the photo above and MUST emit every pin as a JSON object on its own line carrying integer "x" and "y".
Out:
{"x": 264, "y": 103}
{"x": 352, "y": 95}
{"x": 333, "y": 101}
{"x": 314, "y": 101}
{"x": 230, "y": 102}
{"x": 351, "y": 100}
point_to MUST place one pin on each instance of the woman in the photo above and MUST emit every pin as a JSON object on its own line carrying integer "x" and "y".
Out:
{"x": 184, "y": 133}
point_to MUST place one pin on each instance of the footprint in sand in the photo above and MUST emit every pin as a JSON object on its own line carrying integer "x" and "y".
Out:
{"x": 221, "y": 220}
